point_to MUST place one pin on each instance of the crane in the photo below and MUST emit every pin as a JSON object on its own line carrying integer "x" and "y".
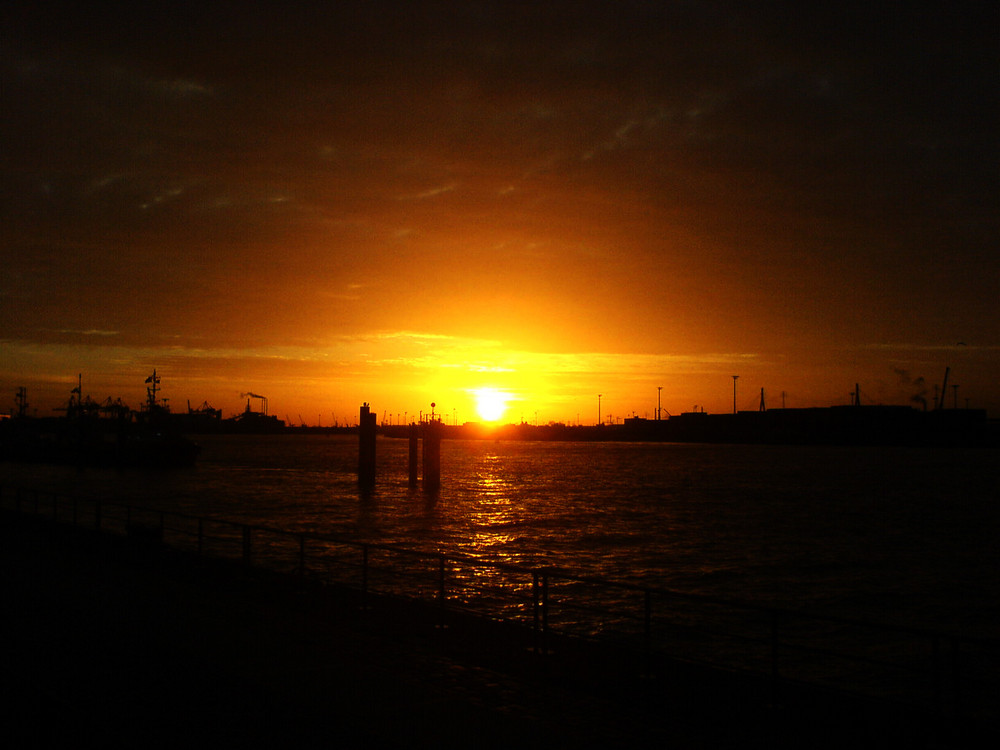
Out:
{"x": 944, "y": 389}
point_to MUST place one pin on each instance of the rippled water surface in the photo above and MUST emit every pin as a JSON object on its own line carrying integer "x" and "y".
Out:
{"x": 897, "y": 534}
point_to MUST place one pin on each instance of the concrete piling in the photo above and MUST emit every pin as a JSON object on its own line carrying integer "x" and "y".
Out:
{"x": 432, "y": 455}
{"x": 366, "y": 448}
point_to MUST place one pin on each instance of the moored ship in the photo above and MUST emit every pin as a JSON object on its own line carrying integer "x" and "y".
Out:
{"x": 92, "y": 433}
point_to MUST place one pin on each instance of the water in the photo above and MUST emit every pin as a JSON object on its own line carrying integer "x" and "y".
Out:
{"x": 896, "y": 535}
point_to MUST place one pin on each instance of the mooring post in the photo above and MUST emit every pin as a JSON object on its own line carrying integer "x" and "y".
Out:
{"x": 432, "y": 454}
{"x": 366, "y": 449}
{"x": 414, "y": 440}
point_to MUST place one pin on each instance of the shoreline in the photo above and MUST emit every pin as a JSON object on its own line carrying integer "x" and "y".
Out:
{"x": 127, "y": 639}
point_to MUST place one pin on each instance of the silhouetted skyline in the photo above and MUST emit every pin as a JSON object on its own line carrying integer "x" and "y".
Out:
{"x": 399, "y": 204}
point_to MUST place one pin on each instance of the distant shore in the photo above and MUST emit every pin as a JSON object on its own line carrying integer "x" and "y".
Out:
{"x": 29, "y": 438}
{"x": 847, "y": 425}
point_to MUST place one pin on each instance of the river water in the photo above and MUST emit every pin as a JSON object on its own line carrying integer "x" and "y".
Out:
{"x": 897, "y": 535}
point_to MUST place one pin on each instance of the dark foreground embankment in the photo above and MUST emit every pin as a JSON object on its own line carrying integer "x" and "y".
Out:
{"x": 124, "y": 643}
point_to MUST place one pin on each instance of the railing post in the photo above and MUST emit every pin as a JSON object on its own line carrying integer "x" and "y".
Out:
{"x": 956, "y": 677}
{"x": 774, "y": 657}
{"x": 247, "y": 545}
{"x": 647, "y": 623}
{"x": 364, "y": 574}
{"x": 545, "y": 613}
{"x": 936, "y": 673}
{"x": 535, "y": 609}
{"x": 442, "y": 596}
{"x": 302, "y": 556}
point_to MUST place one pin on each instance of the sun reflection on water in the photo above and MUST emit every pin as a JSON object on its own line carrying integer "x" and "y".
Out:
{"x": 762, "y": 522}
{"x": 494, "y": 512}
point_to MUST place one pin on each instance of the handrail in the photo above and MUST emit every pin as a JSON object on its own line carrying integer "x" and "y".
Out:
{"x": 542, "y": 598}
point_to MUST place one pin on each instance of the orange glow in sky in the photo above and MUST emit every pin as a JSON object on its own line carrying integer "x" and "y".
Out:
{"x": 491, "y": 404}
{"x": 401, "y": 206}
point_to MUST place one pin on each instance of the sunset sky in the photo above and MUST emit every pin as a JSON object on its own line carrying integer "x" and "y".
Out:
{"x": 403, "y": 203}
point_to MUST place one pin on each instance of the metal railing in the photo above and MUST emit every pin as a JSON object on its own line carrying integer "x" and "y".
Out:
{"x": 953, "y": 675}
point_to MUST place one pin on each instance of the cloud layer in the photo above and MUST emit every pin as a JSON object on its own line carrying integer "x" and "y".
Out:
{"x": 637, "y": 183}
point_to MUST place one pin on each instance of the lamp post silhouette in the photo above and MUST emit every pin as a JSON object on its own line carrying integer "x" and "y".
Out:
{"x": 735, "y": 378}
{"x": 598, "y": 408}
{"x": 658, "y": 389}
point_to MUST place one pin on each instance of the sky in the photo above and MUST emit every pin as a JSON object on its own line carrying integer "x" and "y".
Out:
{"x": 405, "y": 203}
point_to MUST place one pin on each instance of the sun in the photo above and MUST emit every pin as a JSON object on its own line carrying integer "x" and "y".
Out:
{"x": 490, "y": 404}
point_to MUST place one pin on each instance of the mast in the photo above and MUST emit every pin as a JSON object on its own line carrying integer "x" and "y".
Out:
{"x": 22, "y": 402}
{"x": 152, "y": 382}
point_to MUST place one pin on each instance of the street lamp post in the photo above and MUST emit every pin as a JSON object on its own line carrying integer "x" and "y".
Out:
{"x": 598, "y": 408}
{"x": 658, "y": 389}
{"x": 735, "y": 378}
